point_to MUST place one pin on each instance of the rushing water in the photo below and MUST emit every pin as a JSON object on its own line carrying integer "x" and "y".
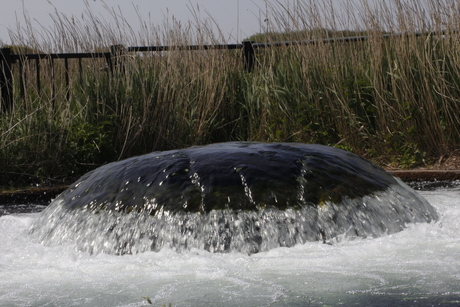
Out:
{"x": 230, "y": 197}
{"x": 416, "y": 267}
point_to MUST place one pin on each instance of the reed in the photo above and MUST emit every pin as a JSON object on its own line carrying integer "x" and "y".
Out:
{"x": 393, "y": 100}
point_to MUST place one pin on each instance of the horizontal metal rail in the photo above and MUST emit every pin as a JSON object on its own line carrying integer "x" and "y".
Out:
{"x": 43, "y": 56}
{"x": 7, "y": 59}
{"x": 188, "y": 47}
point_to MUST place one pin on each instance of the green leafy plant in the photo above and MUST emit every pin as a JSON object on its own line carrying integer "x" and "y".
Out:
{"x": 394, "y": 99}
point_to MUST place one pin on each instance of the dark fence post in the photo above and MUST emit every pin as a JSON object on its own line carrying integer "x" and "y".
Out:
{"x": 6, "y": 82}
{"x": 37, "y": 75}
{"x": 53, "y": 82}
{"x": 249, "y": 56}
{"x": 67, "y": 79}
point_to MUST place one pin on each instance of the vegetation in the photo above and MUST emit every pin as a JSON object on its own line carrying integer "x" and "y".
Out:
{"x": 313, "y": 34}
{"x": 392, "y": 100}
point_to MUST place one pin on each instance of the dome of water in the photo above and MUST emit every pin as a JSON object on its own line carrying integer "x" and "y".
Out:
{"x": 240, "y": 196}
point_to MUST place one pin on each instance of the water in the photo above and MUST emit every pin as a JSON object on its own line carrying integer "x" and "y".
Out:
{"x": 228, "y": 230}
{"x": 416, "y": 267}
{"x": 243, "y": 197}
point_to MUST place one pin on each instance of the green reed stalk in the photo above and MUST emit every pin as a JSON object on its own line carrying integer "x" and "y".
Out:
{"x": 394, "y": 99}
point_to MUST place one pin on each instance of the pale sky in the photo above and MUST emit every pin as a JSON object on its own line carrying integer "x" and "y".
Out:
{"x": 237, "y": 19}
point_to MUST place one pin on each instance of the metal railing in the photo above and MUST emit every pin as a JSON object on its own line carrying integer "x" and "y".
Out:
{"x": 7, "y": 59}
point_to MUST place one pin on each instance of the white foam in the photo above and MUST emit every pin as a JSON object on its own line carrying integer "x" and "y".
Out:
{"x": 420, "y": 263}
{"x": 112, "y": 232}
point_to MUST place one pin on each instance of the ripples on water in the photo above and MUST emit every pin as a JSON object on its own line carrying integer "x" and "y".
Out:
{"x": 416, "y": 267}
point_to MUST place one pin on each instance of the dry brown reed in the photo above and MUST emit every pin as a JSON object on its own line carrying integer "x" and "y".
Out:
{"x": 395, "y": 98}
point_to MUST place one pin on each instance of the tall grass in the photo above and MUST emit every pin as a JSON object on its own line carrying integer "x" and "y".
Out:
{"x": 394, "y": 100}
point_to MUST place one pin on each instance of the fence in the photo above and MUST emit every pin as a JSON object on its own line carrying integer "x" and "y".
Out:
{"x": 7, "y": 59}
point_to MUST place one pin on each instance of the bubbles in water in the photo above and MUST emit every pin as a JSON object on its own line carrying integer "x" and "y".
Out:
{"x": 244, "y": 197}
{"x": 417, "y": 266}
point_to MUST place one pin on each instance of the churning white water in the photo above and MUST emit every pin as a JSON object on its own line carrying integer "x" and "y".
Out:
{"x": 419, "y": 266}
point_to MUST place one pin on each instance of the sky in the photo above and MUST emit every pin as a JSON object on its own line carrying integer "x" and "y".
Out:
{"x": 237, "y": 19}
